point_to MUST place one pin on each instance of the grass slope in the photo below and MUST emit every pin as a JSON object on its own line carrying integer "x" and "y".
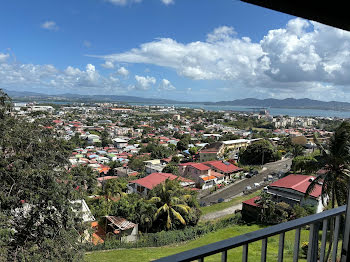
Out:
{"x": 224, "y": 205}
{"x": 149, "y": 254}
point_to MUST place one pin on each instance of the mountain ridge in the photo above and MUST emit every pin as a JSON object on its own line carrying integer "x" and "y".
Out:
{"x": 265, "y": 103}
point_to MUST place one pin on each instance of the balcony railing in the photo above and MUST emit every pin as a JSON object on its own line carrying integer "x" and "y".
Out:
{"x": 314, "y": 221}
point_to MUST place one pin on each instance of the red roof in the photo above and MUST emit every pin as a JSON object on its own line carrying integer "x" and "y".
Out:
{"x": 298, "y": 183}
{"x": 219, "y": 165}
{"x": 198, "y": 166}
{"x": 155, "y": 179}
{"x": 251, "y": 202}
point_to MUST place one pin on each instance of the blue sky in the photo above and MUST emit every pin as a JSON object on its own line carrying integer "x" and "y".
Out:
{"x": 194, "y": 50}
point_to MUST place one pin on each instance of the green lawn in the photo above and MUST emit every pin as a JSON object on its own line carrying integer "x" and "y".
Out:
{"x": 224, "y": 205}
{"x": 149, "y": 254}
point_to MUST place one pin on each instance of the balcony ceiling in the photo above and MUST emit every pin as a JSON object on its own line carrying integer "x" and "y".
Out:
{"x": 334, "y": 13}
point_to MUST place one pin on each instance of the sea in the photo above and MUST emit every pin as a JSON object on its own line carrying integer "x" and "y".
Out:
{"x": 248, "y": 109}
{"x": 272, "y": 111}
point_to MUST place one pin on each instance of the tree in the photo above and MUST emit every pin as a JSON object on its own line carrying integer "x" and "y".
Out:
{"x": 297, "y": 150}
{"x": 173, "y": 204}
{"x": 182, "y": 144}
{"x": 258, "y": 153}
{"x": 36, "y": 214}
{"x": 193, "y": 150}
{"x": 115, "y": 187}
{"x": 83, "y": 178}
{"x": 335, "y": 162}
{"x": 171, "y": 168}
{"x": 305, "y": 164}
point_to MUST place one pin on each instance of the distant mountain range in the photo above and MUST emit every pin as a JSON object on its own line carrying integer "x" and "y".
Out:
{"x": 287, "y": 103}
{"x": 268, "y": 103}
{"x": 32, "y": 96}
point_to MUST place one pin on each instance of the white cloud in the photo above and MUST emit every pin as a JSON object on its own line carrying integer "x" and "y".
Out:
{"x": 295, "y": 58}
{"x": 128, "y": 2}
{"x": 50, "y": 25}
{"x": 123, "y": 71}
{"x": 4, "y": 57}
{"x": 108, "y": 65}
{"x": 168, "y": 2}
{"x": 44, "y": 77}
{"x": 144, "y": 82}
{"x": 166, "y": 85}
{"x": 123, "y": 2}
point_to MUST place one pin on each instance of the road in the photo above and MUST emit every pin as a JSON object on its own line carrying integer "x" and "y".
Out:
{"x": 237, "y": 188}
{"x": 221, "y": 213}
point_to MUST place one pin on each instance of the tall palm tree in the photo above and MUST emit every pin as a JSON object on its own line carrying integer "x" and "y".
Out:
{"x": 335, "y": 162}
{"x": 170, "y": 205}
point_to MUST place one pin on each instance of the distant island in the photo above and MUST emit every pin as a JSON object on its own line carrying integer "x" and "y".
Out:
{"x": 292, "y": 103}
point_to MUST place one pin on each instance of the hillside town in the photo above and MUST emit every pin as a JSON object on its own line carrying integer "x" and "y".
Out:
{"x": 133, "y": 150}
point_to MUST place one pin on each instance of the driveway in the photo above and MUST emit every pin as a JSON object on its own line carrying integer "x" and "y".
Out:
{"x": 221, "y": 213}
{"x": 238, "y": 187}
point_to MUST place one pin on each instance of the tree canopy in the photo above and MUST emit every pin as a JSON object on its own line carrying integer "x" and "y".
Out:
{"x": 37, "y": 221}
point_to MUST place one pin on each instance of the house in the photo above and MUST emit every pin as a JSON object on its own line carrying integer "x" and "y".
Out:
{"x": 120, "y": 143}
{"x": 154, "y": 166}
{"x": 80, "y": 207}
{"x": 250, "y": 210}
{"x": 124, "y": 171}
{"x": 225, "y": 168}
{"x": 210, "y": 151}
{"x": 204, "y": 176}
{"x": 291, "y": 190}
{"x": 116, "y": 227}
{"x": 234, "y": 145}
{"x": 145, "y": 184}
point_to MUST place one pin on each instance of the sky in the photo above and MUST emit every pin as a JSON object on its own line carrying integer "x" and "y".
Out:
{"x": 186, "y": 50}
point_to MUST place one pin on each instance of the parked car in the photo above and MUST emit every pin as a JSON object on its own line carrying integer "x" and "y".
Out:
{"x": 221, "y": 200}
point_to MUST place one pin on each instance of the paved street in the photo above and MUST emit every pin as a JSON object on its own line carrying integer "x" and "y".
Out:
{"x": 238, "y": 188}
{"x": 221, "y": 213}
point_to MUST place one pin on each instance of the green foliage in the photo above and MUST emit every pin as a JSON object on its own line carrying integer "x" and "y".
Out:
{"x": 136, "y": 163}
{"x": 114, "y": 164}
{"x": 115, "y": 187}
{"x": 258, "y": 153}
{"x": 164, "y": 238}
{"x": 171, "y": 168}
{"x": 37, "y": 187}
{"x": 272, "y": 212}
{"x": 182, "y": 144}
{"x": 157, "y": 151}
{"x": 84, "y": 179}
{"x": 193, "y": 150}
{"x": 305, "y": 164}
{"x": 176, "y": 206}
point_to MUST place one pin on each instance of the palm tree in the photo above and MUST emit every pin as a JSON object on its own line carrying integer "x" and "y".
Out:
{"x": 335, "y": 162}
{"x": 170, "y": 205}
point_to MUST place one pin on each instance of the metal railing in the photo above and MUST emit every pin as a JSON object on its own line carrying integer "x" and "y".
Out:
{"x": 314, "y": 221}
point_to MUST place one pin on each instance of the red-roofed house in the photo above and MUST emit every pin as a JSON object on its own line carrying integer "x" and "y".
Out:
{"x": 145, "y": 184}
{"x": 226, "y": 168}
{"x": 250, "y": 209}
{"x": 291, "y": 189}
{"x": 197, "y": 172}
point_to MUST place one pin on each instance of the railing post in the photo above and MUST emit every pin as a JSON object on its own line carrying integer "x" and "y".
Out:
{"x": 346, "y": 243}
{"x": 312, "y": 252}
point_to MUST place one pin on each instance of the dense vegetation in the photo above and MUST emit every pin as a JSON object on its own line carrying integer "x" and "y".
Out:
{"x": 37, "y": 221}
